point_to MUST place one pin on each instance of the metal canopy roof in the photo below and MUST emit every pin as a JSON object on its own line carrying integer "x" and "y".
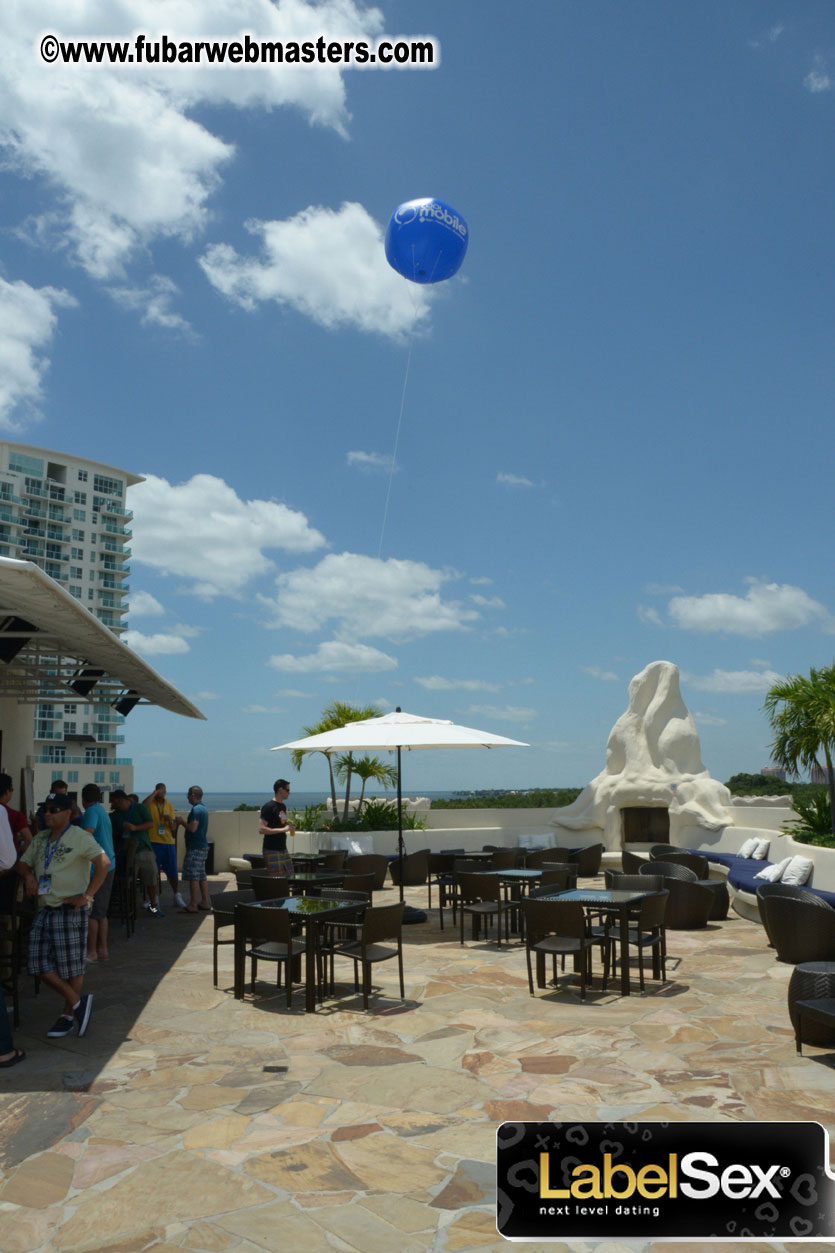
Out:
{"x": 48, "y": 640}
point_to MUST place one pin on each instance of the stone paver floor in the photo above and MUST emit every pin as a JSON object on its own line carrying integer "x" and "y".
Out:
{"x": 187, "y": 1120}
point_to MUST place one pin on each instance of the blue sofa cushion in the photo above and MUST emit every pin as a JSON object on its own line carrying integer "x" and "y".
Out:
{"x": 742, "y": 874}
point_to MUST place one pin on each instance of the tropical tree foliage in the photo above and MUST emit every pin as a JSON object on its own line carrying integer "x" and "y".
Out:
{"x": 337, "y": 714}
{"x": 366, "y": 768}
{"x": 813, "y": 824}
{"x": 801, "y": 711}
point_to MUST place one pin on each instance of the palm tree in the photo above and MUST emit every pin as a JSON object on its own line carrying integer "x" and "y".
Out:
{"x": 367, "y": 768}
{"x": 802, "y": 715}
{"x": 337, "y": 714}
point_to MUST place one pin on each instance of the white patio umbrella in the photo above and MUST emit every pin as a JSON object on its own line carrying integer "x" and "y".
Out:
{"x": 395, "y": 732}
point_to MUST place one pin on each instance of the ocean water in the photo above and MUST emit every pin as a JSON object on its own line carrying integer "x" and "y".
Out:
{"x": 296, "y": 800}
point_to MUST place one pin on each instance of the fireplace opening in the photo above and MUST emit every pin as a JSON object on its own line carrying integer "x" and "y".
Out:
{"x": 647, "y": 825}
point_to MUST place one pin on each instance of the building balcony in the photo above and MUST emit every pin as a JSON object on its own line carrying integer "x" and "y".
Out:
{"x": 44, "y": 759}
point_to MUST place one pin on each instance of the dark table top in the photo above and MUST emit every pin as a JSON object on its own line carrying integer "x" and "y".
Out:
{"x": 600, "y": 896}
{"x": 316, "y": 876}
{"x": 305, "y": 907}
{"x": 521, "y": 876}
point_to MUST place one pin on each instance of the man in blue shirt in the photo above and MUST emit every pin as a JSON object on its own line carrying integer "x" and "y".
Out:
{"x": 197, "y": 850}
{"x": 96, "y": 820}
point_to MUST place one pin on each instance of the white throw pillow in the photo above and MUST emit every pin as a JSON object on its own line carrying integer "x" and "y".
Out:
{"x": 761, "y": 851}
{"x": 774, "y": 874}
{"x": 797, "y": 871}
{"x": 748, "y": 847}
{"x": 535, "y": 841}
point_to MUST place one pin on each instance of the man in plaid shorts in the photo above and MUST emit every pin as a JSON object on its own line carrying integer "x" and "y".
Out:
{"x": 56, "y": 869}
{"x": 197, "y": 849}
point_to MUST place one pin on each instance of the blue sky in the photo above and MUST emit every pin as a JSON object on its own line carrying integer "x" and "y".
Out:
{"x": 616, "y": 434}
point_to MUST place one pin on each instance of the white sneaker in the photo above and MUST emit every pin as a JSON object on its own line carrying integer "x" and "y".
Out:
{"x": 178, "y": 901}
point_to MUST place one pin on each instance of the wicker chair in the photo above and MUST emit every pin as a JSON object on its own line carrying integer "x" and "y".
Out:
{"x": 631, "y": 862}
{"x": 243, "y": 879}
{"x": 441, "y": 872}
{"x": 268, "y": 887}
{"x": 692, "y": 861}
{"x": 690, "y": 902}
{"x": 633, "y": 882}
{"x": 412, "y": 870}
{"x": 384, "y": 922}
{"x": 559, "y": 878}
{"x": 788, "y": 890}
{"x": 270, "y": 938}
{"x": 588, "y": 860}
{"x": 802, "y": 931}
{"x": 369, "y": 863}
{"x": 505, "y": 858}
{"x": 540, "y": 857}
{"x": 559, "y": 928}
{"x": 223, "y": 914}
{"x": 480, "y": 896}
{"x": 658, "y": 850}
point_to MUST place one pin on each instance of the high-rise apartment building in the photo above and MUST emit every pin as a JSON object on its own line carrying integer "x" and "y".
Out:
{"x": 68, "y": 515}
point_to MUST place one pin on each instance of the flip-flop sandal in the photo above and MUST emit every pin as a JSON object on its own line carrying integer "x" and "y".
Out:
{"x": 18, "y": 1057}
{"x": 206, "y": 909}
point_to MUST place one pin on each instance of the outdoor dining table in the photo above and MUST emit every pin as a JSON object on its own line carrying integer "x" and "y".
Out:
{"x": 309, "y": 861}
{"x": 315, "y": 879}
{"x": 309, "y": 911}
{"x": 609, "y": 901}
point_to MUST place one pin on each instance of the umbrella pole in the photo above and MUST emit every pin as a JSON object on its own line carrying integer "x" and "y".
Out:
{"x": 401, "y": 848}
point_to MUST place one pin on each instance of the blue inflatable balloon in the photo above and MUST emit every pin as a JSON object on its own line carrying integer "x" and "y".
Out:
{"x": 426, "y": 240}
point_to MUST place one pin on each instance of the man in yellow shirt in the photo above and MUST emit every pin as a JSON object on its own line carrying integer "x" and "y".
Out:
{"x": 163, "y": 838}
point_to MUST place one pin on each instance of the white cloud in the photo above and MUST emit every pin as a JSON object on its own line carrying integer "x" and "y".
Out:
{"x": 263, "y": 709}
{"x": 327, "y": 264}
{"x": 372, "y": 462}
{"x": 203, "y": 531}
{"x": 206, "y": 696}
{"x": 482, "y": 581}
{"x": 504, "y": 713}
{"x": 597, "y": 673}
{"x": 435, "y": 683}
{"x": 144, "y": 605}
{"x": 767, "y": 37}
{"x": 662, "y": 589}
{"x": 732, "y": 681}
{"x": 155, "y": 645}
{"x": 488, "y": 602}
{"x": 154, "y": 302}
{"x": 765, "y": 607}
{"x": 818, "y": 79}
{"x": 27, "y": 323}
{"x": 709, "y": 720}
{"x": 126, "y": 160}
{"x": 295, "y": 693}
{"x": 650, "y": 616}
{"x": 367, "y": 596}
{"x": 513, "y": 480}
{"x": 335, "y": 657}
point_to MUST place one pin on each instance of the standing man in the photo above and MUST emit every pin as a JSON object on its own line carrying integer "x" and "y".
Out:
{"x": 59, "y": 788}
{"x": 18, "y": 822}
{"x": 133, "y": 821}
{"x": 164, "y": 838}
{"x": 96, "y": 820}
{"x": 56, "y": 870}
{"x": 9, "y": 1055}
{"x": 197, "y": 849}
{"x": 274, "y": 828}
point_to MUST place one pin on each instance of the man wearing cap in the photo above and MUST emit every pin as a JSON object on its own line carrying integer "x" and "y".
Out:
{"x": 56, "y": 870}
{"x": 274, "y": 828}
{"x": 131, "y": 820}
{"x": 59, "y": 788}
